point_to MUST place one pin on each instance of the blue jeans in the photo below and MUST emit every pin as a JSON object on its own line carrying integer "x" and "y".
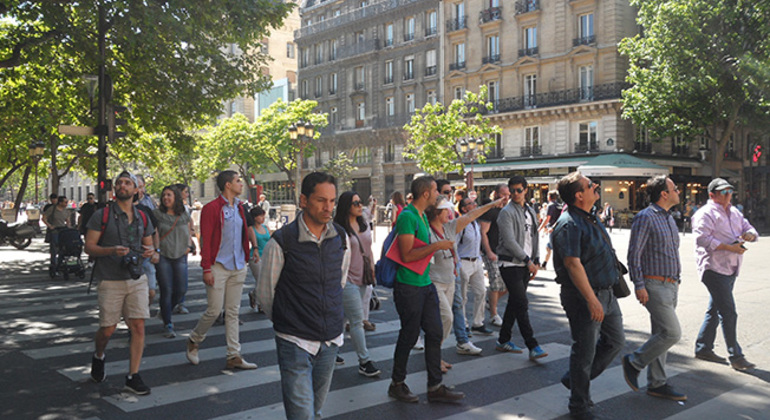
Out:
{"x": 457, "y": 312}
{"x": 354, "y": 313}
{"x": 594, "y": 344}
{"x": 665, "y": 331}
{"x": 305, "y": 378}
{"x": 517, "y": 310}
{"x": 417, "y": 307}
{"x": 172, "y": 279}
{"x": 721, "y": 308}
{"x": 148, "y": 268}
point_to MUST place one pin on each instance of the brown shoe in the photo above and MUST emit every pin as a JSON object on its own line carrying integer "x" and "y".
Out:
{"x": 402, "y": 393}
{"x": 237, "y": 362}
{"x": 192, "y": 352}
{"x": 368, "y": 326}
{"x": 710, "y": 356}
{"x": 742, "y": 364}
{"x": 444, "y": 394}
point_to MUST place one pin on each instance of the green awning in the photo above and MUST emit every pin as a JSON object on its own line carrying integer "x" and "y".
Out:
{"x": 621, "y": 165}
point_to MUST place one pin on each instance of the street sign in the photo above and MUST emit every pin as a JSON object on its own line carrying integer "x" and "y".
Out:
{"x": 75, "y": 130}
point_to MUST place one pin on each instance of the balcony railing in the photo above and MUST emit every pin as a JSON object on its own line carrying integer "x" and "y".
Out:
{"x": 389, "y": 42}
{"x": 409, "y": 37}
{"x": 396, "y": 120}
{"x": 591, "y": 146}
{"x": 372, "y": 10}
{"x": 359, "y": 48}
{"x": 680, "y": 149}
{"x": 457, "y": 65}
{"x": 584, "y": 40}
{"x": 586, "y": 93}
{"x": 496, "y": 153}
{"x": 408, "y": 75}
{"x": 388, "y": 79}
{"x": 318, "y": 94}
{"x": 643, "y": 146}
{"x": 431, "y": 31}
{"x": 557, "y": 98}
{"x": 532, "y": 150}
{"x": 526, "y": 52}
{"x": 359, "y": 86}
{"x": 457, "y": 23}
{"x": 488, "y": 15}
{"x": 333, "y": 91}
{"x": 526, "y": 6}
{"x": 494, "y": 58}
{"x": 431, "y": 70}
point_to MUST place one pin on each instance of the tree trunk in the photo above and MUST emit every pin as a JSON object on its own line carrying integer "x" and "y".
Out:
{"x": 7, "y": 175}
{"x": 22, "y": 189}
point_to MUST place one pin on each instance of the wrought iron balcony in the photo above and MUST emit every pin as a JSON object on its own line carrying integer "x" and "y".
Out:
{"x": 557, "y": 98}
{"x": 457, "y": 65}
{"x": 409, "y": 36}
{"x": 431, "y": 70}
{"x": 359, "y": 86}
{"x": 526, "y": 6}
{"x": 643, "y": 146}
{"x": 395, "y": 120}
{"x": 359, "y": 48}
{"x": 532, "y": 150}
{"x": 456, "y": 24}
{"x": 591, "y": 146}
{"x": 431, "y": 31}
{"x": 388, "y": 79}
{"x": 408, "y": 75}
{"x": 389, "y": 42}
{"x": 333, "y": 91}
{"x": 528, "y": 51}
{"x": 680, "y": 149}
{"x": 586, "y": 93}
{"x": 496, "y": 153}
{"x": 494, "y": 58}
{"x": 584, "y": 40}
{"x": 490, "y": 14}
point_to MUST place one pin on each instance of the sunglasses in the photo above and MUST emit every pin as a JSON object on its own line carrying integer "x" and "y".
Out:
{"x": 727, "y": 191}
{"x": 446, "y": 192}
{"x": 518, "y": 190}
{"x": 357, "y": 203}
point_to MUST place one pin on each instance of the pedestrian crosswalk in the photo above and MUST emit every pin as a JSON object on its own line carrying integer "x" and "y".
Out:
{"x": 57, "y": 331}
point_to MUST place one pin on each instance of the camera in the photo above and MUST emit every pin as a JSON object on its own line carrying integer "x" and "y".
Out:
{"x": 131, "y": 263}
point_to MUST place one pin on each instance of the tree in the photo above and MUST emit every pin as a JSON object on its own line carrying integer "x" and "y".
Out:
{"x": 435, "y": 131}
{"x": 232, "y": 142}
{"x": 341, "y": 166}
{"x": 697, "y": 69}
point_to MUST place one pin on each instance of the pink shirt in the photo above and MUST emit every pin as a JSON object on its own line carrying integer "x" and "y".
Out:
{"x": 713, "y": 226}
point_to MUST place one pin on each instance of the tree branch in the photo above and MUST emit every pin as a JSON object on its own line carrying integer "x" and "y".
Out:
{"x": 15, "y": 58}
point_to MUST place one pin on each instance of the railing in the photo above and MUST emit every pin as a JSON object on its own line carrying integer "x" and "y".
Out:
{"x": 395, "y": 120}
{"x": 591, "y": 146}
{"x": 388, "y": 79}
{"x": 643, "y": 146}
{"x": 496, "y": 153}
{"x": 494, "y": 58}
{"x": 332, "y": 91}
{"x": 586, "y": 93}
{"x": 584, "y": 40}
{"x": 680, "y": 149}
{"x": 488, "y": 15}
{"x": 557, "y": 98}
{"x": 318, "y": 94}
{"x": 389, "y": 42}
{"x": 532, "y": 150}
{"x": 388, "y": 156}
{"x": 528, "y": 51}
{"x": 431, "y": 31}
{"x": 457, "y": 23}
{"x": 359, "y": 86}
{"x": 457, "y": 65}
{"x": 369, "y": 11}
{"x": 409, "y": 37}
{"x": 526, "y": 6}
{"x": 431, "y": 70}
{"x": 359, "y": 48}
{"x": 409, "y": 75}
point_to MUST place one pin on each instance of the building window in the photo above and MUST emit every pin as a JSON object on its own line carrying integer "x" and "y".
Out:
{"x": 493, "y": 91}
{"x": 679, "y": 145}
{"x": 319, "y": 53}
{"x": 493, "y": 49}
{"x": 409, "y": 29}
{"x": 390, "y": 106}
{"x": 333, "y": 49}
{"x": 362, "y": 155}
{"x": 304, "y": 89}
{"x": 530, "y": 42}
{"x": 358, "y": 78}
{"x": 530, "y": 90}
{"x": 202, "y": 189}
{"x": 305, "y": 57}
{"x": 389, "y": 72}
{"x": 431, "y": 24}
{"x": 390, "y": 154}
{"x": 531, "y": 141}
{"x": 360, "y": 114}
{"x": 432, "y": 98}
{"x": 332, "y": 83}
{"x": 389, "y": 34}
{"x": 585, "y": 30}
{"x": 430, "y": 63}
{"x": 410, "y": 103}
{"x": 586, "y": 83}
{"x": 333, "y": 118}
{"x": 289, "y": 50}
{"x": 459, "y": 92}
{"x": 642, "y": 140}
{"x": 358, "y": 37}
{"x": 390, "y": 186}
{"x": 587, "y": 137}
{"x": 318, "y": 160}
{"x": 318, "y": 86}
{"x": 409, "y": 67}
{"x": 497, "y": 150}
{"x": 459, "y": 57}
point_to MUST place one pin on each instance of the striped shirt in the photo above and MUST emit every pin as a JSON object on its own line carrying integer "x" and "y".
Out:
{"x": 654, "y": 246}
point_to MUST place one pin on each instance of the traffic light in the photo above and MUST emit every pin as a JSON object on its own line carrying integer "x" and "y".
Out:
{"x": 757, "y": 153}
{"x": 114, "y": 121}
{"x": 105, "y": 186}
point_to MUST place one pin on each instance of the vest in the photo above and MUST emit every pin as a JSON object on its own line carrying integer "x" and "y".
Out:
{"x": 308, "y": 295}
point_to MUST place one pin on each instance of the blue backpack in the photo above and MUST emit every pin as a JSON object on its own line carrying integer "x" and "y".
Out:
{"x": 385, "y": 269}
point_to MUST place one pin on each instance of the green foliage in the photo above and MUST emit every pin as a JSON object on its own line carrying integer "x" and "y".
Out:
{"x": 435, "y": 131}
{"x": 341, "y": 166}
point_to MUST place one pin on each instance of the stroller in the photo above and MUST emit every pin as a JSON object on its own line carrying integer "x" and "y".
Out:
{"x": 67, "y": 260}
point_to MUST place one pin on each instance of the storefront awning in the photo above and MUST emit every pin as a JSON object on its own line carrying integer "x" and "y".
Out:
{"x": 620, "y": 165}
{"x": 565, "y": 162}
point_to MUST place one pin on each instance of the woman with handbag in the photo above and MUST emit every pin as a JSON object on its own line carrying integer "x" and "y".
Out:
{"x": 360, "y": 276}
{"x": 175, "y": 241}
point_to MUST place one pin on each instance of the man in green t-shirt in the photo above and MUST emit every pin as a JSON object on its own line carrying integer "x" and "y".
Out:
{"x": 416, "y": 298}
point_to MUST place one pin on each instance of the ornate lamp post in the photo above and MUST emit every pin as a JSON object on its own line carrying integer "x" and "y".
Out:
{"x": 471, "y": 150}
{"x": 303, "y": 133}
{"x": 36, "y": 151}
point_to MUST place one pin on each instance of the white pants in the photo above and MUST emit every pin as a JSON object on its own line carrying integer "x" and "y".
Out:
{"x": 226, "y": 292}
{"x": 472, "y": 275}
{"x": 446, "y": 295}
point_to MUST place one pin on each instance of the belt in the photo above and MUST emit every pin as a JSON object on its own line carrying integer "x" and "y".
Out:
{"x": 469, "y": 259}
{"x": 661, "y": 278}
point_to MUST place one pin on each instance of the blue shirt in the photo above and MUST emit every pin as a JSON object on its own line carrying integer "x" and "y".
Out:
{"x": 230, "y": 253}
{"x": 469, "y": 241}
{"x": 581, "y": 235}
{"x": 654, "y": 246}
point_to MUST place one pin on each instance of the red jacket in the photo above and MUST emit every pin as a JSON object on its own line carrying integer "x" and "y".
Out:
{"x": 211, "y": 232}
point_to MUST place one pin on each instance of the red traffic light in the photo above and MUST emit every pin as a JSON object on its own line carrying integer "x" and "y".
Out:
{"x": 757, "y": 153}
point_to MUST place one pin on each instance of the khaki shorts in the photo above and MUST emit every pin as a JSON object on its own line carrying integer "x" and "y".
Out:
{"x": 127, "y": 298}
{"x": 493, "y": 272}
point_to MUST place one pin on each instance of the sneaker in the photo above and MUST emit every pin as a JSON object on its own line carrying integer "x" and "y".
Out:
{"x": 253, "y": 299}
{"x": 238, "y": 362}
{"x": 134, "y": 384}
{"x": 742, "y": 364}
{"x": 402, "y": 393}
{"x": 192, "y": 352}
{"x": 444, "y": 394}
{"x": 508, "y": 347}
{"x": 420, "y": 344}
{"x": 368, "y": 369}
{"x": 537, "y": 353}
{"x": 482, "y": 329}
{"x": 497, "y": 321}
{"x": 97, "y": 369}
{"x": 170, "y": 333}
{"x": 368, "y": 326}
{"x": 710, "y": 356}
{"x": 181, "y": 309}
{"x": 631, "y": 373}
{"x": 468, "y": 349}
{"x": 339, "y": 361}
{"x": 667, "y": 392}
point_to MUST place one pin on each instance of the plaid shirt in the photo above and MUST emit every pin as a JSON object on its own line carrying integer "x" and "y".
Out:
{"x": 654, "y": 246}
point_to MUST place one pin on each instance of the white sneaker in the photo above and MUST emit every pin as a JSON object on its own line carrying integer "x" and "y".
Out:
{"x": 420, "y": 344}
{"x": 468, "y": 349}
{"x": 497, "y": 321}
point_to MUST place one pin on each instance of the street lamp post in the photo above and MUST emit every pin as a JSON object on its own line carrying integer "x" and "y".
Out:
{"x": 471, "y": 150}
{"x": 36, "y": 151}
{"x": 303, "y": 132}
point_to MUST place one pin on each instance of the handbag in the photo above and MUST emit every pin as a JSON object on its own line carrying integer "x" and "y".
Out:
{"x": 368, "y": 277}
{"x": 374, "y": 302}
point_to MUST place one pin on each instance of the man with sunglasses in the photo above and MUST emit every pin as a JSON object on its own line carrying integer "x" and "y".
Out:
{"x": 654, "y": 266}
{"x": 586, "y": 269}
{"x": 720, "y": 231}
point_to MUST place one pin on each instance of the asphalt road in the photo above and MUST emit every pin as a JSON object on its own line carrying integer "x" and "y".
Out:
{"x": 47, "y": 327}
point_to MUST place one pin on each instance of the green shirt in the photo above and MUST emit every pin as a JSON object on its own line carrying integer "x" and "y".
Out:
{"x": 409, "y": 222}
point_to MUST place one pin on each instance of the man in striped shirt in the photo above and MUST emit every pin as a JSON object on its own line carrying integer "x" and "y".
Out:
{"x": 653, "y": 262}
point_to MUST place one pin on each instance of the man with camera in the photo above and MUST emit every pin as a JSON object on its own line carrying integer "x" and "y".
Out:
{"x": 120, "y": 242}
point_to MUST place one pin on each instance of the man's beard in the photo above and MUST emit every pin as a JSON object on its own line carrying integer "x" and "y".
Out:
{"x": 123, "y": 196}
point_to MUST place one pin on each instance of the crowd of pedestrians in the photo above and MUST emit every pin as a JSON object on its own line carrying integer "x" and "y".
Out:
{"x": 314, "y": 277}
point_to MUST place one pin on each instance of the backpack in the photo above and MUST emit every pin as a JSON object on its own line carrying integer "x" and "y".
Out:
{"x": 385, "y": 269}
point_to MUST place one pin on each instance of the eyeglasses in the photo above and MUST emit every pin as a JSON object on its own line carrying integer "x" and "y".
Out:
{"x": 357, "y": 203}
{"x": 517, "y": 190}
{"x": 727, "y": 191}
{"x": 446, "y": 192}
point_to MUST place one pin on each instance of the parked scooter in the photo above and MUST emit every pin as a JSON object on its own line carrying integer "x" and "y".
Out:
{"x": 18, "y": 234}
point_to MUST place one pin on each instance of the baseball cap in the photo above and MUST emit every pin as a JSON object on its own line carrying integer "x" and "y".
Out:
{"x": 445, "y": 205}
{"x": 719, "y": 184}
{"x": 129, "y": 175}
